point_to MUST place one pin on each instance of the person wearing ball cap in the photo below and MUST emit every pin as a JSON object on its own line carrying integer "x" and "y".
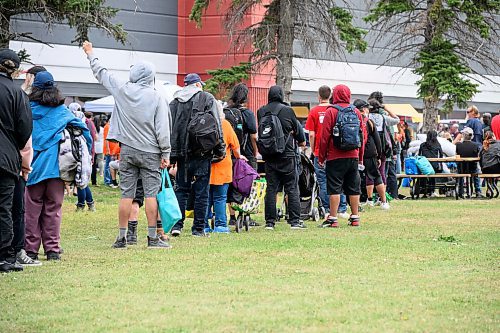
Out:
{"x": 15, "y": 130}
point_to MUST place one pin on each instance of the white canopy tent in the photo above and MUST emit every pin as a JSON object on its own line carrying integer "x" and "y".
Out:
{"x": 107, "y": 104}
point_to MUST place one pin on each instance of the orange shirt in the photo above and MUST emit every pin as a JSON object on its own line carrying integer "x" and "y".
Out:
{"x": 222, "y": 172}
{"x": 110, "y": 148}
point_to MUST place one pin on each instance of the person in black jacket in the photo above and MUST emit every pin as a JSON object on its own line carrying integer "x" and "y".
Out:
{"x": 15, "y": 129}
{"x": 431, "y": 148}
{"x": 192, "y": 166}
{"x": 282, "y": 169}
{"x": 372, "y": 157}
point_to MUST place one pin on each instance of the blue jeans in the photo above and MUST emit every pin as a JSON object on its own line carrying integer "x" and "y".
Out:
{"x": 84, "y": 196}
{"x": 217, "y": 200}
{"x": 107, "y": 173}
{"x": 321, "y": 176}
{"x": 323, "y": 194}
{"x": 193, "y": 174}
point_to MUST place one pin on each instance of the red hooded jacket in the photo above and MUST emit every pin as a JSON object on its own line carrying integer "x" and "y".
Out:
{"x": 327, "y": 151}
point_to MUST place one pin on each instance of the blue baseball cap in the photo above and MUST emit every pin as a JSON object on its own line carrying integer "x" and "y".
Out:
{"x": 43, "y": 80}
{"x": 192, "y": 78}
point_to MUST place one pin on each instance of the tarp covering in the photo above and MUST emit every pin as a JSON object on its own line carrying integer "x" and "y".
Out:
{"x": 406, "y": 110}
{"x": 107, "y": 104}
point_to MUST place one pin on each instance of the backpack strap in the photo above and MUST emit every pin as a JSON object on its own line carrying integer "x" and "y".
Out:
{"x": 341, "y": 109}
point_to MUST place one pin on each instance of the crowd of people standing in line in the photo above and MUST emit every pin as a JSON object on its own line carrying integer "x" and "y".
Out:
{"x": 146, "y": 135}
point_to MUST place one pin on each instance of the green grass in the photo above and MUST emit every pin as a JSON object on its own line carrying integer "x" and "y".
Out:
{"x": 425, "y": 266}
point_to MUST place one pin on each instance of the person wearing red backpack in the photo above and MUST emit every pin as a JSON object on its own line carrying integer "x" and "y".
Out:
{"x": 341, "y": 149}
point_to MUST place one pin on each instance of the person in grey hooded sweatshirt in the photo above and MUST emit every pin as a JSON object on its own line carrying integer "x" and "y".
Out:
{"x": 141, "y": 124}
{"x": 193, "y": 166}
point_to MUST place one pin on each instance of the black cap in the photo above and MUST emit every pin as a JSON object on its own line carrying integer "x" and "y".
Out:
{"x": 359, "y": 104}
{"x": 9, "y": 59}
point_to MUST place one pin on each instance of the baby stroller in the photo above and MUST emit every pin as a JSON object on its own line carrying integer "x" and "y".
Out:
{"x": 250, "y": 205}
{"x": 309, "y": 193}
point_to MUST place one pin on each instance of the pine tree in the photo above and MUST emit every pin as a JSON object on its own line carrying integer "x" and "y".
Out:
{"x": 312, "y": 23}
{"x": 79, "y": 14}
{"x": 445, "y": 41}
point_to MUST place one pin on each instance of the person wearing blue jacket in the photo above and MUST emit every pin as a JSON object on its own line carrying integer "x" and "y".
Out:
{"x": 45, "y": 189}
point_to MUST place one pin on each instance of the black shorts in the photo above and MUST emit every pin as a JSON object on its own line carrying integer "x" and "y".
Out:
{"x": 139, "y": 193}
{"x": 342, "y": 176}
{"x": 371, "y": 170}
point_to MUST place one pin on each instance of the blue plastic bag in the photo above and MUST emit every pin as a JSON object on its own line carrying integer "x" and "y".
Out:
{"x": 411, "y": 166}
{"x": 406, "y": 182}
{"x": 425, "y": 166}
{"x": 168, "y": 207}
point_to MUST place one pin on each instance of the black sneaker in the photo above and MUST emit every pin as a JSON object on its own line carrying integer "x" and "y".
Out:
{"x": 175, "y": 232}
{"x": 7, "y": 267}
{"x": 51, "y": 255}
{"x": 120, "y": 243}
{"x": 298, "y": 226}
{"x": 232, "y": 221}
{"x": 132, "y": 234}
{"x": 270, "y": 226}
{"x": 197, "y": 233}
{"x": 157, "y": 243}
{"x": 253, "y": 223}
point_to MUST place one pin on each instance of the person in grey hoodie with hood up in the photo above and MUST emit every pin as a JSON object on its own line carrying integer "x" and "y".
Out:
{"x": 141, "y": 124}
{"x": 193, "y": 166}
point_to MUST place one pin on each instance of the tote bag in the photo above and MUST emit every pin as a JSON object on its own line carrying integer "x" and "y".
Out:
{"x": 168, "y": 207}
{"x": 425, "y": 166}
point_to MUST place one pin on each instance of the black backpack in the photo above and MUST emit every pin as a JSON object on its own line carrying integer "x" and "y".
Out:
{"x": 202, "y": 128}
{"x": 235, "y": 118}
{"x": 347, "y": 134}
{"x": 271, "y": 139}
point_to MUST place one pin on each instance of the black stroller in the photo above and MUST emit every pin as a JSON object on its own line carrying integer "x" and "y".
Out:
{"x": 309, "y": 193}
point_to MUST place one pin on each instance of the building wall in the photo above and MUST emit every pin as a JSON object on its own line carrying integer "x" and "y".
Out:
{"x": 152, "y": 36}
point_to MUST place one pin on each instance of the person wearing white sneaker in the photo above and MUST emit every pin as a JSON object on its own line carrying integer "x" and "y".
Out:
{"x": 24, "y": 260}
{"x": 372, "y": 158}
{"x": 385, "y": 206}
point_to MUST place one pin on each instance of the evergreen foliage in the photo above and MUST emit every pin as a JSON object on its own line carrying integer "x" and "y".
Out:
{"x": 79, "y": 14}
{"x": 314, "y": 24}
{"x": 449, "y": 40}
{"x": 223, "y": 79}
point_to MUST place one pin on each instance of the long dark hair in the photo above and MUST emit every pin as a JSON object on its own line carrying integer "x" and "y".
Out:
{"x": 432, "y": 138}
{"x": 47, "y": 97}
{"x": 239, "y": 95}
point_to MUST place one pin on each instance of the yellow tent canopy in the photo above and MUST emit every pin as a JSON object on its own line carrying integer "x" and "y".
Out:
{"x": 406, "y": 110}
{"x": 301, "y": 111}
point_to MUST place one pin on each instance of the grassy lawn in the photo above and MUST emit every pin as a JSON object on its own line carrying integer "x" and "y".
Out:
{"x": 394, "y": 273}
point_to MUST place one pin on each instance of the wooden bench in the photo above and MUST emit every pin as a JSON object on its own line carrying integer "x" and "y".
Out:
{"x": 415, "y": 183}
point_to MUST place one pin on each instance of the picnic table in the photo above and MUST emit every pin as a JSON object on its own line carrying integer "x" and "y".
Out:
{"x": 453, "y": 159}
{"x": 492, "y": 188}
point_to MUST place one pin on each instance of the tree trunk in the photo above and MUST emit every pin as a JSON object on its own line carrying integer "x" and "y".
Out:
{"x": 431, "y": 112}
{"x": 4, "y": 31}
{"x": 286, "y": 35}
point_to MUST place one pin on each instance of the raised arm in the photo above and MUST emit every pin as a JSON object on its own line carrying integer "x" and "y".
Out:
{"x": 101, "y": 73}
